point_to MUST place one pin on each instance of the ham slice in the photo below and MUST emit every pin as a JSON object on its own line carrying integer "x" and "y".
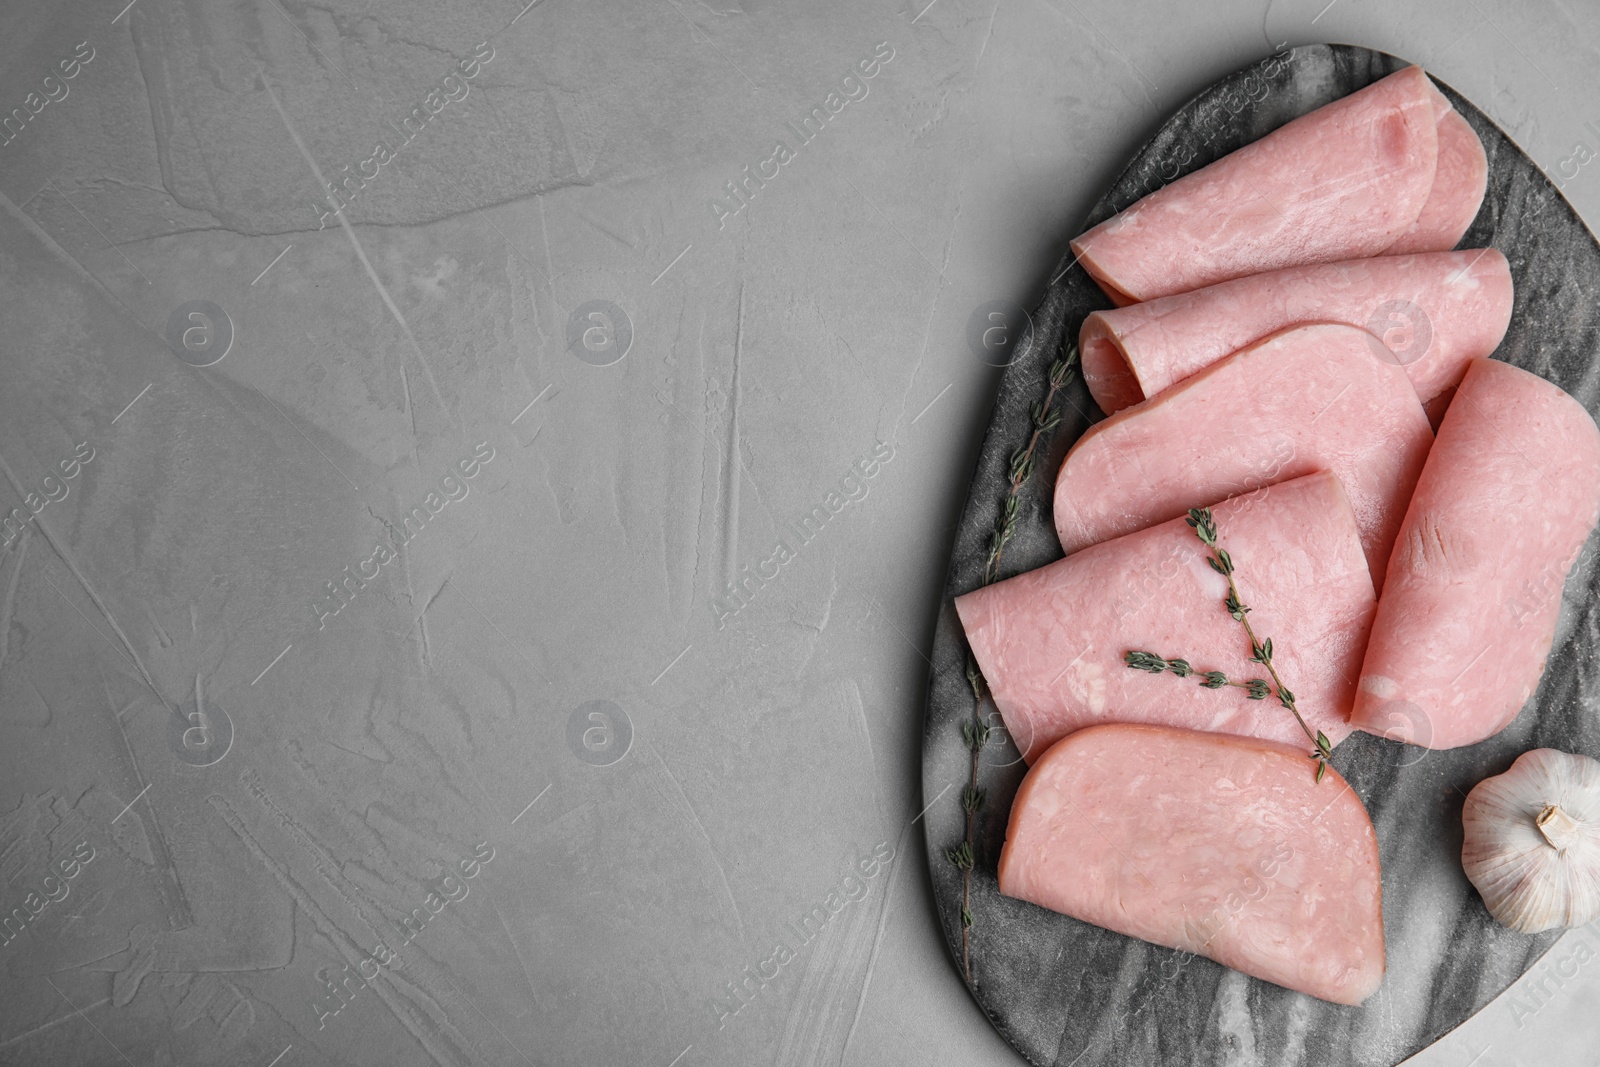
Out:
{"x": 1309, "y": 398}
{"x": 1503, "y": 508}
{"x": 1219, "y": 846}
{"x": 1344, "y": 181}
{"x": 1436, "y": 311}
{"x": 1459, "y": 180}
{"x": 1051, "y": 641}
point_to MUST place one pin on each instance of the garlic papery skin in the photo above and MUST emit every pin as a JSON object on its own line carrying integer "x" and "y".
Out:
{"x": 1532, "y": 841}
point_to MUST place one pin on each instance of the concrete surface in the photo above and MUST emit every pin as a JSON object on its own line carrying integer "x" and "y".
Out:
{"x": 277, "y": 717}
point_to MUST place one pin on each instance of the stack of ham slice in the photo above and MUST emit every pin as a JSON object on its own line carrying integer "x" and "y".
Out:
{"x": 1291, "y": 323}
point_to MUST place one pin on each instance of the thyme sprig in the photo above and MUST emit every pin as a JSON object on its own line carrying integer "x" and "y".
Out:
{"x": 975, "y": 732}
{"x": 1255, "y": 688}
{"x": 1046, "y": 416}
{"x": 1204, "y": 525}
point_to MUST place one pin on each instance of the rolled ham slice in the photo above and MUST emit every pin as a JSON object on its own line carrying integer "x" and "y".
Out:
{"x": 1435, "y": 311}
{"x": 1051, "y": 641}
{"x": 1219, "y": 846}
{"x": 1501, "y": 513}
{"x": 1459, "y": 180}
{"x": 1318, "y": 397}
{"x": 1344, "y": 181}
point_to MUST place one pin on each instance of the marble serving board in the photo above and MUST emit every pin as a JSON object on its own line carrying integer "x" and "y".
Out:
{"x": 1064, "y": 992}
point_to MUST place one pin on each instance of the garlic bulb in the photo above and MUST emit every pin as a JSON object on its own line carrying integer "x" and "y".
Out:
{"x": 1532, "y": 844}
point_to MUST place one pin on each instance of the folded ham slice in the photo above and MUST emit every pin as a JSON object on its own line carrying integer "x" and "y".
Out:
{"x": 1459, "y": 180}
{"x": 1344, "y": 181}
{"x": 1318, "y": 397}
{"x": 1219, "y": 846}
{"x": 1435, "y": 310}
{"x": 1051, "y": 641}
{"x": 1503, "y": 508}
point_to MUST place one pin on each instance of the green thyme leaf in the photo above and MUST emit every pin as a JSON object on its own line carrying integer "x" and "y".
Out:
{"x": 1145, "y": 661}
{"x": 1061, "y": 370}
{"x": 975, "y": 734}
{"x": 1204, "y": 526}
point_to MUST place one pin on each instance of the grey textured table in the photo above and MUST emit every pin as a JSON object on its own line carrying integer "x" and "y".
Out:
{"x": 478, "y": 615}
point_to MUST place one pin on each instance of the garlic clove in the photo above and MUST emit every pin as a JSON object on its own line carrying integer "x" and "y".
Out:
{"x": 1531, "y": 841}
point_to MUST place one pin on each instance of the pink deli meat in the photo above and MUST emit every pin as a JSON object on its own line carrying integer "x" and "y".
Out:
{"x": 1318, "y": 397}
{"x": 1501, "y": 513}
{"x": 1345, "y": 181}
{"x": 1435, "y": 310}
{"x": 1220, "y": 846}
{"x": 1051, "y": 641}
{"x": 1459, "y": 180}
